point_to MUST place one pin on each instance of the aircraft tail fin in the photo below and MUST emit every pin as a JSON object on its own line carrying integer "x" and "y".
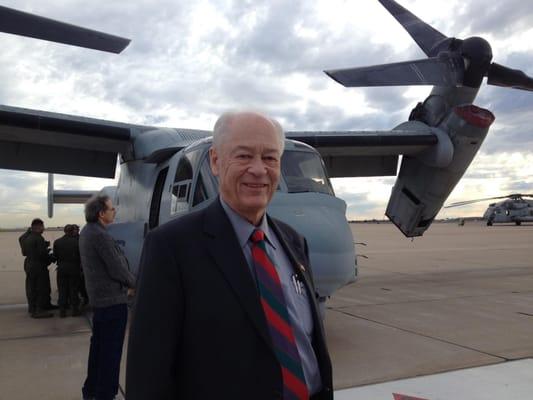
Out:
{"x": 65, "y": 196}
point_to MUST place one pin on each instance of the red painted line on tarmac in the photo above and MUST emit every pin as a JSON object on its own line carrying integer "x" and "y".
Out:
{"x": 405, "y": 397}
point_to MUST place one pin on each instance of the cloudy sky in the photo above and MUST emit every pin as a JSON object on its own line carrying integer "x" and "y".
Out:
{"x": 191, "y": 60}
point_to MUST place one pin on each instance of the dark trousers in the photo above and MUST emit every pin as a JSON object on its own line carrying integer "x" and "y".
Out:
{"x": 83, "y": 291}
{"x": 37, "y": 286}
{"x": 48, "y": 295}
{"x": 28, "y": 293}
{"x": 109, "y": 326}
{"x": 37, "y": 289}
{"x": 68, "y": 285}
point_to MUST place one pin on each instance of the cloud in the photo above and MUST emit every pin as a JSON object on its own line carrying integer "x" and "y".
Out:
{"x": 500, "y": 18}
{"x": 189, "y": 61}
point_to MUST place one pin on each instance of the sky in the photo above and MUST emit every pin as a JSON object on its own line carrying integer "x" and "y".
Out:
{"x": 190, "y": 61}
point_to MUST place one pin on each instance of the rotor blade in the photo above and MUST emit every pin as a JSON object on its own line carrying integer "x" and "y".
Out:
{"x": 444, "y": 70}
{"x": 423, "y": 34}
{"x": 519, "y": 195}
{"x": 499, "y": 75}
{"x": 30, "y": 25}
{"x": 464, "y": 203}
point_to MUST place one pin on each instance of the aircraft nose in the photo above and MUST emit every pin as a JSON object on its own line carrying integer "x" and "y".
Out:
{"x": 321, "y": 219}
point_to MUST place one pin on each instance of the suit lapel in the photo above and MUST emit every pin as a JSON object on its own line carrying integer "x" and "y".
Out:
{"x": 227, "y": 255}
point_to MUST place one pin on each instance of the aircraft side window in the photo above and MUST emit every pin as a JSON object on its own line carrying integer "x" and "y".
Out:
{"x": 181, "y": 186}
{"x": 303, "y": 171}
{"x": 200, "y": 193}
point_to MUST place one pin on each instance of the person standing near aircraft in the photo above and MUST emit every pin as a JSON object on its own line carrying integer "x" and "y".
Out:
{"x": 67, "y": 254}
{"x": 38, "y": 258}
{"x": 82, "y": 289}
{"x": 226, "y": 305}
{"x": 22, "y": 238}
{"x": 109, "y": 282}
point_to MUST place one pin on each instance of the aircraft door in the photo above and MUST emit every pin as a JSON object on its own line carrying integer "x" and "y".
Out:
{"x": 155, "y": 205}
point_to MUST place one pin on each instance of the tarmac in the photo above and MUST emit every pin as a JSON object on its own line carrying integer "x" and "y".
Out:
{"x": 443, "y": 316}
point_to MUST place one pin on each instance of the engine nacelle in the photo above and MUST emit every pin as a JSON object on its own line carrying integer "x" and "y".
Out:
{"x": 423, "y": 186}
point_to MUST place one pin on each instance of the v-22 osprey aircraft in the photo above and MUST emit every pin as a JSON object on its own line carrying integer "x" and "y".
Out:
{"x": 164, "y": 172}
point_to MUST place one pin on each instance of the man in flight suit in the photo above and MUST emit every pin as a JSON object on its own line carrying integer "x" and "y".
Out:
{"x": 38, "y": 258}
{"x": 22, "y": 238}
{"x": 67, "y": 254}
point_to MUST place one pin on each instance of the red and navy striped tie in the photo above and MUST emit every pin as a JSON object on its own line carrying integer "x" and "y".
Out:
{"x": 277, "y": 317}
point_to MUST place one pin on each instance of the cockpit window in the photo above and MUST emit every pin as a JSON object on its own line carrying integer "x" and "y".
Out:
{"x": 303, "y": 171}
{"x": 181, "y": 188}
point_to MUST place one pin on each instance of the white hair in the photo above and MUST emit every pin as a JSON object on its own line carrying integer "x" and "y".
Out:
{"x": 222, "y": 127}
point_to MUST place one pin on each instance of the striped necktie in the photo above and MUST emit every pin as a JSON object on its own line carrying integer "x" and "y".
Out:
{"x": 277, "y": 316}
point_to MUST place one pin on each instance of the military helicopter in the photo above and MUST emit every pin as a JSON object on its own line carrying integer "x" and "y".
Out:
{"x": 164, "y": 172}
{"x": 516, "y": 208}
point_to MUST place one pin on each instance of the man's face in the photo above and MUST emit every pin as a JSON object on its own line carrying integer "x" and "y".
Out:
{"x": 38, "y": 229}
{"x": 107, "y": 216}
{"x": 247, "y": 163}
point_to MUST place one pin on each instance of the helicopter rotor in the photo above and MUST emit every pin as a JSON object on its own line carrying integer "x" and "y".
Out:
{"x": 514, "y": 196}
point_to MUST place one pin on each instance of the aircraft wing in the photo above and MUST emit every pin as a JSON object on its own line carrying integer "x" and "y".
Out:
{"x": 41, "y": 141}
{"x": 365, "y": 153}
{"x": 33, "y": 140}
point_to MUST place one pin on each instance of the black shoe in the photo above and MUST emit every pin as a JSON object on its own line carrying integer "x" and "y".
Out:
{"x": 42, "y": 314}
{"x": 62, "y": 313}
{"x": 76, "y": 312}
{"x": 50, "y": 307}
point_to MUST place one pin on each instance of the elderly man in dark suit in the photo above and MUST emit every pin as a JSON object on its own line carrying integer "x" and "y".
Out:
{"x": 226, "y": 305}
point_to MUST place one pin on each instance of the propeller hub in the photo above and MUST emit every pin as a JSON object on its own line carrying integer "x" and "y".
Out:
{"x": 478, "y": 55}
{"x": 448, "y": 44}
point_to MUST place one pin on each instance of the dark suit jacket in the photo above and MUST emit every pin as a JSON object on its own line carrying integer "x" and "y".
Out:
{"x": 198, "y": 330}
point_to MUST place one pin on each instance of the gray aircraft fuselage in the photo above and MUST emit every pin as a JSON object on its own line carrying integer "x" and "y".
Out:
{"x": 148, "y": 195}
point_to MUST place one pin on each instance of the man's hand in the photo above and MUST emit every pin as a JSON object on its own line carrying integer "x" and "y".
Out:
{"x": 131, "y": 292}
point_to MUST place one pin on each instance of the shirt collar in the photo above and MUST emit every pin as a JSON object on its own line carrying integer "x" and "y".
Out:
{"x": 243, "y": 228}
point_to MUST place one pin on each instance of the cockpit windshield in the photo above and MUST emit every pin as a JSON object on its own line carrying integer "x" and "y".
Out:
{"x": 303, "y": 171}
